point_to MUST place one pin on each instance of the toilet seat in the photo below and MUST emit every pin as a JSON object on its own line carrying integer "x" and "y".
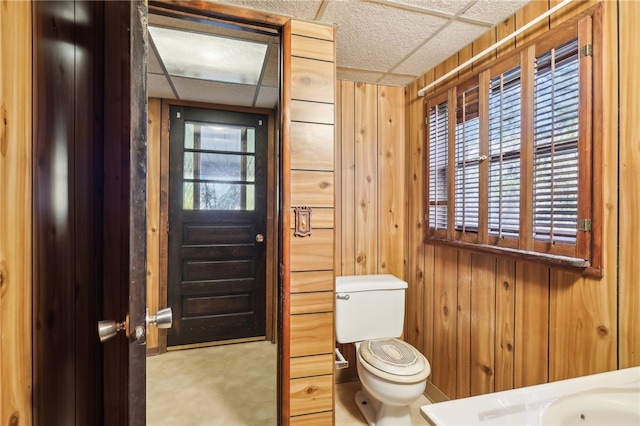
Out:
{"x": 393, "y": 360}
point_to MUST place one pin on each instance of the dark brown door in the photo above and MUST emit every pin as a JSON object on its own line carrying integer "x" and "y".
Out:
{"x": 217, "y": 225}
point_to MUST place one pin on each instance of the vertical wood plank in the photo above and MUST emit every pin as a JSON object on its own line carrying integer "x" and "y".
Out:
{"x": 391, "y": 182}
{"x": 503, "y": 29}
{"x": 366, "y": 194}
{"x": 532, "y": 325}
{"x": 164, "y": 218}
{"x": 153, "y": 218}
{"x": 463, "y": 337}
{"x": 444, "y": 360}
{"x": 483, "y": 311}
{"x": 505, "y": 318}
{"x": 414, "y": 331}
{"x": 481, "y": 43}
{"x": 465, "y": 54}
{"x": 347, "y": 108}
{"x": 582, "y": 326}
{"x": 450, "y": 63}
{"x": 528, "y": 14}
{"x": 16, "y": 351}
{"x": 54, "y": 238}
{"x": 568, "y": 11}
{"x": 629, "y": 184}
{"x": 337, "y": 161}
{"x": 429, "y": 301}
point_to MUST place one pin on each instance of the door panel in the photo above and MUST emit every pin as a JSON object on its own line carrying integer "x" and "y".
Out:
{"x": 217, "y": 268}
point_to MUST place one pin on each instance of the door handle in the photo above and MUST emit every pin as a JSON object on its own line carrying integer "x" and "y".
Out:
{"x": 259, "y": 238}
{"x": 109, "y": 328}
{"x": 162, "y": 319}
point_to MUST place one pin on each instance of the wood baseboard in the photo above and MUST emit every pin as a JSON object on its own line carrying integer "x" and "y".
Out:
{"x": 434, "y": 394}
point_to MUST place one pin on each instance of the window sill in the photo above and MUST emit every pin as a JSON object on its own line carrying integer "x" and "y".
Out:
{"x": 578, "y": 265}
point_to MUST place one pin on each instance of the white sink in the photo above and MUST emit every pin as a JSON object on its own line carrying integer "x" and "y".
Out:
{"x": 602, "y": 407}
{"x": 611, "y": 398}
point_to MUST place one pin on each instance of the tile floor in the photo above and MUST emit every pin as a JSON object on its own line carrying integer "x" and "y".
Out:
{"x": 201, "y": 387}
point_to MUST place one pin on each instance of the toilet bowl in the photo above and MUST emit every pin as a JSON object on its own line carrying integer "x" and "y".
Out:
{"x": 370, "y": 314}
{"x": 393, "y": 374}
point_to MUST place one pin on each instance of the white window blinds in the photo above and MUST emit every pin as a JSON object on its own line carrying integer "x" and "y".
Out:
{"x": 504, "y": 154}
{"x": 556, "y": 117}
{"x": 467, "y": 169}
{"x": 438, "y": 160}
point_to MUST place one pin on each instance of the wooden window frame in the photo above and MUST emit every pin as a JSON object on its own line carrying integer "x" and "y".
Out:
{"x": 585, "y": 256}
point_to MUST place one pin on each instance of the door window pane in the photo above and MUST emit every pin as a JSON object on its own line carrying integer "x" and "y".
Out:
{"x": 219, "y": 167}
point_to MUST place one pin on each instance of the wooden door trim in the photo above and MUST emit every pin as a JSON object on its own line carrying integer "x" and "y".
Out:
{"x": 137, "y": 210}
{"x": 284, "y": 366}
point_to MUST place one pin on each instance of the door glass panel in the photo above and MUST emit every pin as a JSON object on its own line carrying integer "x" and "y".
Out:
{"x": 219, "y": 167}
{"x": 218, "y": 196}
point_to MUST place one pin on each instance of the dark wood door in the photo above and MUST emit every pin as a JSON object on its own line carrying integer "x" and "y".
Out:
{"x": 217, "y": 225}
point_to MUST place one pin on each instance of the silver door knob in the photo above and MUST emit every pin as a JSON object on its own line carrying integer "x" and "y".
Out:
{"x": 109, "y": 328}
{"x": 259, "y": 238}
{"x": 162, "y": 319}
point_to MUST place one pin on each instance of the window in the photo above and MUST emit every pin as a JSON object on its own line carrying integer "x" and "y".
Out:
{"x": 509, "y": 153}
{"x": 219, "y": 167}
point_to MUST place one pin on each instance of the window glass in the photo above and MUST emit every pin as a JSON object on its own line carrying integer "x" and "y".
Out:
{"x": 219, "y": 167}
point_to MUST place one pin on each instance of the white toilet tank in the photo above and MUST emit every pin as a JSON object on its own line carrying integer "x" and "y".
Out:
{"x": 369, "y": 307}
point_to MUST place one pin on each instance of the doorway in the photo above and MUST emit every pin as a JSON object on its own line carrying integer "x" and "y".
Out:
{"x": 218, "y": 222}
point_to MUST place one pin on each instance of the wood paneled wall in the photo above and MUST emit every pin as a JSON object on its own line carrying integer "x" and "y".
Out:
{"x": 372, "y": 179}
{"x": 488, "y": 323}
{"x": 15, "y": 217}
{"x": 308, "y": 180}
{"x": 629, "y": 222}
{"x": 372, "y": 196}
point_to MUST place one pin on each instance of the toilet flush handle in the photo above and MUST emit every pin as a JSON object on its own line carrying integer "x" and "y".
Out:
{"x": 342, "y": 296}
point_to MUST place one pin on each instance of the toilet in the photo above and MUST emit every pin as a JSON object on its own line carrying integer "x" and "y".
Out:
{"x": 393, "y": 374}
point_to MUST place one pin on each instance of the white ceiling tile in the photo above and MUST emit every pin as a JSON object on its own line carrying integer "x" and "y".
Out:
{"x": 303, "y": 9}
{"x": 399, "y": 80}
{"x": 363, "y": 76}
{"x": 494, "y": 10}
{"x": 450, "y": 7}
{"x": 375, "y": 37}
{"x": 214, "y": 92}
{"x": 159, "y": 87}
{"x": 450, "y": 40}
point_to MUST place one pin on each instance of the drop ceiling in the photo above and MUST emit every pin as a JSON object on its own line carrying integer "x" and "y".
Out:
{"x": 385, "y": 42}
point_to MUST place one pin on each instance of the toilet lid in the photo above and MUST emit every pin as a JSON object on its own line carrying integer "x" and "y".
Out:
{"x": 392, "y": 356}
